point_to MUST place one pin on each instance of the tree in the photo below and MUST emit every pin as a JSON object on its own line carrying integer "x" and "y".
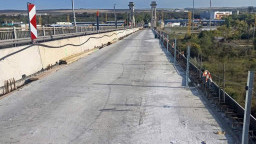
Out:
{"x": 195, "y": 50}
{"x": 206, "y": 43}
{"x": 225, "y": 32}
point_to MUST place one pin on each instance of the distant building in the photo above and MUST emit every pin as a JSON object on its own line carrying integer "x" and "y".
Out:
{"x": 63, "y": 23}
{"x": 208, "y": 29}
{"x": 215, "y": 14}
{"x": 177, "y": 10}
{"x": 12, "y": 23}
{"x": 202, "y": 22}
{"x": 205, "y": 15}
{"x": 175, "y": 24}
{"x": 220, "y": 14}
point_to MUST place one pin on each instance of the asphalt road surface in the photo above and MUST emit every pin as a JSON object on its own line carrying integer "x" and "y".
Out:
{"x": 126, "y": 93}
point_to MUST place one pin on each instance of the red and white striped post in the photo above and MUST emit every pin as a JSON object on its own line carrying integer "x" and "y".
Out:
{"x": 32, "y": 21}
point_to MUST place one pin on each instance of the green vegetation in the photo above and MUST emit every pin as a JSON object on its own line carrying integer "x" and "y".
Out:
{"x": 90, "y": 17}
{"x": 50, "y": 19}
{"x": 231, "y": 44}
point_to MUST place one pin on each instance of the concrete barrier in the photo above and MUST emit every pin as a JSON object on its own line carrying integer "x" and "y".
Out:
{"x": 27, "y": 60}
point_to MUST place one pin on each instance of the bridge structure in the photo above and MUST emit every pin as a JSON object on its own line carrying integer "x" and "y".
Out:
{"x": 125, "y": 85}
{"x": 127, "y": 92}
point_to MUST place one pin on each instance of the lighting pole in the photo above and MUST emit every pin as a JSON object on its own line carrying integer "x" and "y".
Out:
{"x": 210, "y": 10}
{"x": 193, "y": 14}
{"x": 115, "y": 16}
{"x": 74, "y": 14}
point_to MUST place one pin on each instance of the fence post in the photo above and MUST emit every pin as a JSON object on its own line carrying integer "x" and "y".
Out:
{"x": 187, "y": 71}
{"x": 75, "y": 29}
{"x": 219, "y": 92}
{"x": 14, "y": 33}
{"x": 175, "y": 48}
{"x": 53, "y": 30}
{"x": 43, "y": 31}
{"x": 167, "y": 43}
{"x": 162, "y": 38}
{"x": 200, "y": 75}
{"x": 247, "y": 111}
{"x": 161, "y": 35}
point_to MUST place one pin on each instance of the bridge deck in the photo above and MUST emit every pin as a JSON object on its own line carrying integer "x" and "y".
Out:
{"x": 125, "y": 93}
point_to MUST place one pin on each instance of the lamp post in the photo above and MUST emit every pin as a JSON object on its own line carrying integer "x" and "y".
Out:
{"x": 115, "y": 15}
{"x": 193, "y": 14}
{"x": 74, "y": 14}
{"x": 210, "y": 11}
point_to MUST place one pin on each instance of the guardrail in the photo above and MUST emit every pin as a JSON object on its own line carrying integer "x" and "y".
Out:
{"x": 10, "y": 37}
{"x": 224, "y": 102}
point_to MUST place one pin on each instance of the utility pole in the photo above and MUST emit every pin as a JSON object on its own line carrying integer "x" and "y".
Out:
{"x": 128, "y": 19}
{"x": 97, "y": 20}
{"x": 106, "y": 17}
{"x": 68, "y": 18}
{"x": 219, "y": 91}
{"x": 193, "y": 14}
{"x": 189, "y": 23}
{"x": 167, "y": 43}
{"x": 210, "y": 11}
{"x": 74, "y": 13}
{"x": 115, "y": 16}
{"x": 254, "y": 28}
{"x": 247, "y": 111}
{"x": 40, "y": 20}
{"x": 187, "y": 71}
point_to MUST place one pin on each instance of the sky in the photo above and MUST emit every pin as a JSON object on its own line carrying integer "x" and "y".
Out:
{"x": 121, "y": 4}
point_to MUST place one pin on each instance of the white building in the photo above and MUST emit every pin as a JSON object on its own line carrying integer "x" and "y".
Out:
{"x": 214, "y": 14}
{"x": 219, "y": 14}
{"x": 173, "y": 24}
{"x": 63, "y": 23}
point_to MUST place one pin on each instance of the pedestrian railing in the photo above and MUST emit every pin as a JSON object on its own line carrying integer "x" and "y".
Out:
{"x": 16, "y": 36}
{"x": 223, "y": 101}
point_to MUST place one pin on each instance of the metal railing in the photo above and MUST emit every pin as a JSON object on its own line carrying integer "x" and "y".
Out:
{"x": 232, "y": 109}
{"x": 18, "y": 36}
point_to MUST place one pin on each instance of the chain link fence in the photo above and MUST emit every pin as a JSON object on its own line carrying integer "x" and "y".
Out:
{"x": 212, "y": 91}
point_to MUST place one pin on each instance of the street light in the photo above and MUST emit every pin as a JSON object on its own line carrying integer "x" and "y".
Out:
{"x": 115, "y": 15}
{"x": 193, "y": 13}
{"x": 74, "y": 14}
{"x": 210, "y": 10}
